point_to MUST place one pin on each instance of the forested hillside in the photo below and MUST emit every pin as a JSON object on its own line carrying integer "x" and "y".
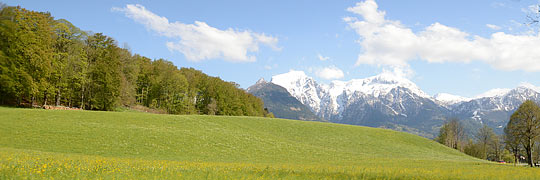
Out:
{"x": 47, "y": 61}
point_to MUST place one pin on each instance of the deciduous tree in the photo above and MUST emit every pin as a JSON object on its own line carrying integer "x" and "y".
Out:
{"x": 524, "y": 125}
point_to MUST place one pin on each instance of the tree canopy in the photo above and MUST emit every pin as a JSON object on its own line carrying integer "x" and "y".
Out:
{"x": 524, "y": 127}
{"x": 46, "y": 61}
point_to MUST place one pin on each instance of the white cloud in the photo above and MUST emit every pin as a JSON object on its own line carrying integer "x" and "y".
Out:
{"x": 330, "y": 72}
{"x": 404, "y": 72}
{"x": 267, "y": 67}
{"x": 390, "y": 43}
{"x": 322, "y": 58}
{"x": 199, "y": 41}
{"x": 492, "y": 26}
{"x": 270, "y": 67}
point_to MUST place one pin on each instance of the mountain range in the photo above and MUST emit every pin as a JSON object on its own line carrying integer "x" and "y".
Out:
{"x": 278, "y": 101}
{"x": 394, "y": 102}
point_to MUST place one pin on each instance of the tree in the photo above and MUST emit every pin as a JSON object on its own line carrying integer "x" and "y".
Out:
{"x": 103, "y": 72}
{"x": 26, "y": 54}
{"x": 512, "y": 143}
{"x": 507, "y": 156}
{"x": 212, "y": 107}
{"x": 486, "y": 139}
{"x": 128, "y": 77}
{"x": 497, "y": 148}
{"x": 47, "y": 61}
{"x": 474, "y": 149}
{"x": 533, "y": 15}
{"x": 452, "y": 134}
{"x": 524, "y": 124}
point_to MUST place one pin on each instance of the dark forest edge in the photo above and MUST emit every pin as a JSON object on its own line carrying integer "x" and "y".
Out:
{"x": 46, "y": 61}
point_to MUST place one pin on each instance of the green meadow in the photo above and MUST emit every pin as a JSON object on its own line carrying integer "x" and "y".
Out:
{"x": 64, "y": 144}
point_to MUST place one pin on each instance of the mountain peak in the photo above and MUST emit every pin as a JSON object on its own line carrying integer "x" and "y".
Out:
{"x": 384, "y": 82}
{"x": 388, "y": 78}
{"x": 300, "y": 86}
{"x": 497, "y": 92}
{"x": 290, "y": 76}
{"x": 450, "y": 99}
{"x": 525, "y": 85}
{"x": 500, "y": 92}
{"x": 261, "y": 81}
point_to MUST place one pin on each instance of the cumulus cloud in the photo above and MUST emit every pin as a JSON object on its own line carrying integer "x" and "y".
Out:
{"x": 199, "y": 41}
{"x": 494, "y": 27}
{"x": 390, "y": 43}
{"x": 322, "y": 58}
{"x": 330, "y": 72}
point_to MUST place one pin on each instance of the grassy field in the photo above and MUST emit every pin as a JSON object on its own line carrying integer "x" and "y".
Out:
{"x": 87, "y": 144}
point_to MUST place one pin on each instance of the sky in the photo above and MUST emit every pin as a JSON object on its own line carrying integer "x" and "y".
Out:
{"x": 459, "y": 47}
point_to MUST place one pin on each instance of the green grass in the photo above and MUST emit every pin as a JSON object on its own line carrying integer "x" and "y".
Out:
{"x": 88, "y": 144}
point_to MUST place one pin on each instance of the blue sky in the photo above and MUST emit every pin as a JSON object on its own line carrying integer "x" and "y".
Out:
{"x": 459, "y": 47}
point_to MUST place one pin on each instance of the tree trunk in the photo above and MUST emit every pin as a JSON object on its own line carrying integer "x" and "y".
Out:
{"x": 45, "y": 99}
{"x": 58, "y": 95}
{"x": 82, "y": 98}
{"x": 529, "y": 153}
{"x": 516, "y": 157}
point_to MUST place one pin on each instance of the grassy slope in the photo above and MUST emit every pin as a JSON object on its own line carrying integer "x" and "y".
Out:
{"x": 216, "y": 147}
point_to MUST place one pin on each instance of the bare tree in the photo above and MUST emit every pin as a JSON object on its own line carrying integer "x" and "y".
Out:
{"x": 533, "y": 15}
{"x": 488, "y": 141}
{"x": 452, "y": 134}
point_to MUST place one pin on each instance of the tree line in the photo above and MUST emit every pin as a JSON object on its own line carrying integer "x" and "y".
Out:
{"x": 520, "y": 139}
{"x": 47, "y": 61}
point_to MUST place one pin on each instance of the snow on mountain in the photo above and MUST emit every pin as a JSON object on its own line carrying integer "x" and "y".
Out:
{"x": 336, "y": 94}
{"x": 495, "y": 106}
{"x": 377, "y": 85}
{"x": 450, "y": 99}
{"x": 498, "y": 92}
{"x": 396, "y": 102}
{"x": 529, "y": 86}
{"x": 302, "y": 87}
{"x": 261, "y": 81}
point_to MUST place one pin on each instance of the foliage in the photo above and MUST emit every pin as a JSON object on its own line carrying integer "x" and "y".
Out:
{"x": 452, "y": 134}
{"x": 46, "y": 61}
{"x": 488, "y": 143}
{"x": 524, "y": 126}
{"x": 474, "y": 149}
{"x": 512, "y": 144}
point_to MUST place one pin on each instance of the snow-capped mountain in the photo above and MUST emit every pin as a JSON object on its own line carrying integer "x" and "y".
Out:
{"x": 380, "y": 100}
{"x": 493, "y": 93}
{"x": 336, "y": 94}
{"x": 278, "y": 101}
{"x": 449, "y": 99}
{"x": 386, "y": 100}
{"x": 495, "y": 107}
{"x": 302, "y": 87}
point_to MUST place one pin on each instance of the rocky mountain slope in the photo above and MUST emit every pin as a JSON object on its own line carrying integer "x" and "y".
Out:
{"x": 397, "y": 103}
{"x": 281, "y": 103}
